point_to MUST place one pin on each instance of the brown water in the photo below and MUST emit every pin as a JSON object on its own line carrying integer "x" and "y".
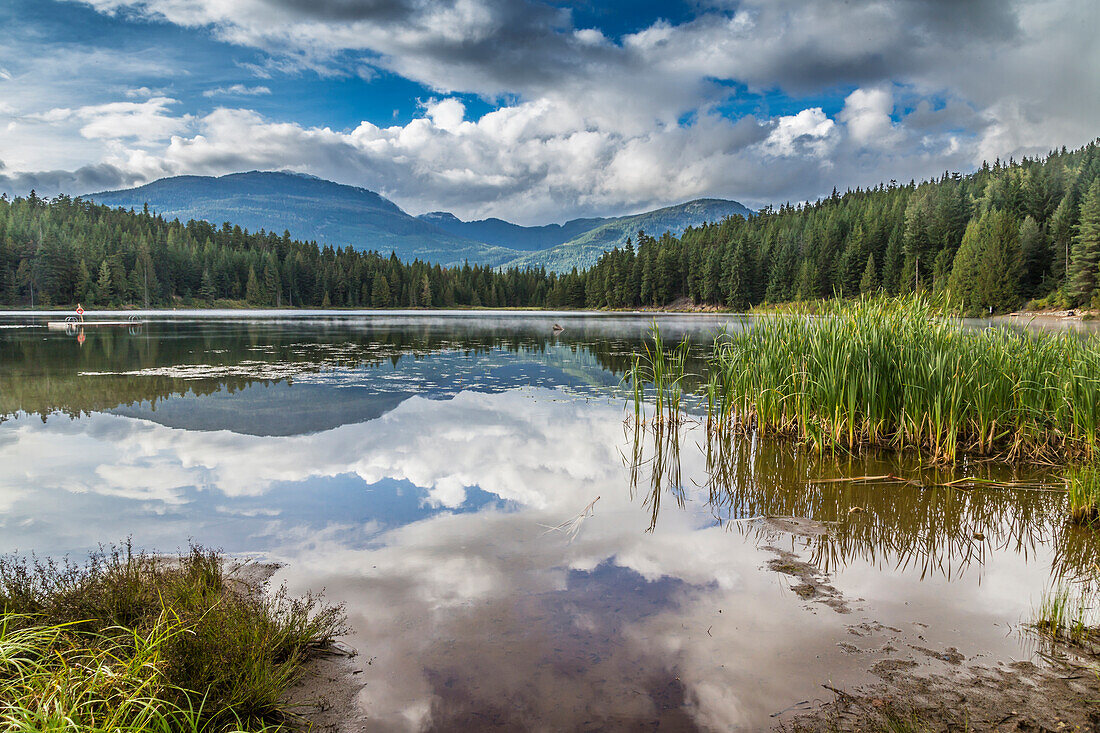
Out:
{"x": 429, "y": 471}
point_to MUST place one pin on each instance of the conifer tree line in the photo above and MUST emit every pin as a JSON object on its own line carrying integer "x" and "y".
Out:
{"x": 998, "y": 238}
{"x": 995, "y": 239}
{"x": 66, "y": 250}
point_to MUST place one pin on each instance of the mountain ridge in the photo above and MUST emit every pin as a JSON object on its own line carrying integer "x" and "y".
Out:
{"x": 336, "y": 214}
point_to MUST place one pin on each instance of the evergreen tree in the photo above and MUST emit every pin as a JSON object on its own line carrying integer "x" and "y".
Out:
{"x": 963, "y": 283}
{"x": 104, "y": 288}
{"x": 1084, "y": 269}
{"x": 252, "y": 292}
{"x": 869, "y": 282}
{"x": 1036, "y": 257}
{"x": 206, "y": 291}
{"x": 380, "y": 293}
{"x": 1000, "y": 263}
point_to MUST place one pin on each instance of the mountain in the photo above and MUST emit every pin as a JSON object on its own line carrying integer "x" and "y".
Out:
{"x": 309, "y": 208}
{"x": 583, "y": 250}
{"x": 506, "y": 234}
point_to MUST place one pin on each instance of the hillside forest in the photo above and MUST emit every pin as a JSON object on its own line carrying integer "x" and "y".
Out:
{"x": 1008, "y": 233}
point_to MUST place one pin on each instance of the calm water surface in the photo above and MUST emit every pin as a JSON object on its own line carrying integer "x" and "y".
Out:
{"x": 427, "y": 469}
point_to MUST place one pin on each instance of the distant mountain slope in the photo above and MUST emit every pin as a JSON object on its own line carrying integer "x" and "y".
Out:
{"x": 310, "y": 208}
{"x": 339, "y": 215}
{"x": 583, "y": 250}
{"x": 506, "y": 234}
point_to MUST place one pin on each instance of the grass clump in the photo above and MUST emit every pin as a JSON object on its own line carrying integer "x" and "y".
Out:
{"x": 894, "y": 374}
{"x": 663, "y": 368}
{"x": 129, "y": 642}
{"x": 1084, "y": 494}
{"x": 1062, "y": 615}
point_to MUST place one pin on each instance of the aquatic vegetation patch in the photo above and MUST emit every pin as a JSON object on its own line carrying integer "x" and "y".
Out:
{"x": 1063, "y": 614}
{"x": 1084, "y": 494}
{"x": 129, "y": 642}
{"x": 896, "y": 374}
{"x": 658, "y": 370}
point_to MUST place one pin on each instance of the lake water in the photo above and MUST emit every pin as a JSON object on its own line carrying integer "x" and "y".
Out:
{"x": 433, "y": 472}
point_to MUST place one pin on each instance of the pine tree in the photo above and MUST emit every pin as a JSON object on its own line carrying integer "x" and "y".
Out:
{"x": 272, "y": 294}
{"x": 252, "y": 292}
{"x": 103, "y": 287}
{"x": 380, "y": 293}
{"x": 1084, "y": 268}
{"x": 206, "y": 290}
{"x": 426, "y": 291}
{"x": 869, "y": 282}
{"x": 85, "y": 291}
{"x": 1062, "y": 223}
{"x": 1036, "y": 257}
{"x": 1000, "y": 264}
{"x": 963, "y": 283}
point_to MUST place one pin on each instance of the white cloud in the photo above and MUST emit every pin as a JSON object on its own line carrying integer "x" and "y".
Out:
{"x": 810, "y": 132}
{"x": 237, "y": 90}
{"x": 446, "y": 114}
{"x": 143, "y": 122}
{"x": 599, "y": 125}
{"x": 866, "y": 114}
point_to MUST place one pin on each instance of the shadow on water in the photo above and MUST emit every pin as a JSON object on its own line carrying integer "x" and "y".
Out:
{"x": 885, "y": 510}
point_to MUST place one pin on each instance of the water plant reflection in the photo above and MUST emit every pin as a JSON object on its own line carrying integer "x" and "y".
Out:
{"x": 883, "y": 508}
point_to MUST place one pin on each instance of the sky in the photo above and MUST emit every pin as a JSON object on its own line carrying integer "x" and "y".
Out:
{"x": 541, "y": 111}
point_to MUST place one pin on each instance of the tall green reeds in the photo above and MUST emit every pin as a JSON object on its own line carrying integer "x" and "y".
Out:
{"x": 895, "y": 374}
{"x": 659, "y": 369}
{"x": 1084, "y": 494}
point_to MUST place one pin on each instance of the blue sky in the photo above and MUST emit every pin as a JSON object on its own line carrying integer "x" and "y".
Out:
{"x": 540, "y": 111}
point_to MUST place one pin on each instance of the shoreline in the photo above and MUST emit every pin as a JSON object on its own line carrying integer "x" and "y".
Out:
{"x": 682, "y": 306}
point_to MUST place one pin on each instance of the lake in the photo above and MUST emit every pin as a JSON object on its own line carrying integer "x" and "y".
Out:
{"x": 513, "y": 553}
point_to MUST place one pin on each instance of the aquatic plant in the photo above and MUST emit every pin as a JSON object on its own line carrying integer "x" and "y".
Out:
{"x": 896, "y": 374}
{"x": 1084, "y": 494}
{"x": 1063, "y": 614}
{"x": 663, "y": 369}
{"x": 131, "y": 642}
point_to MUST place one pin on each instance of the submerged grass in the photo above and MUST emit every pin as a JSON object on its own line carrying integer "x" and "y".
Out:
{"x": 895, "y": 374}
{"x": 130, "y": 642}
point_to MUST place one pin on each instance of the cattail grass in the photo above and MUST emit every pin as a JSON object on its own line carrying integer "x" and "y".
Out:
{"x": 663, "y": 369}
{"x": 895, "y": 374}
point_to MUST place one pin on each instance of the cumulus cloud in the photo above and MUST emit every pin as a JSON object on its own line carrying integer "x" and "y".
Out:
{"x": 598, "y": 124}
{"x": 867, "y": 114}
{"x": 810, "y": 132}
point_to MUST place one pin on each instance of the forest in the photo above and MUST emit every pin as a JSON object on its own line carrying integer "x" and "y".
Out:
{"x": 1007, "y": 234}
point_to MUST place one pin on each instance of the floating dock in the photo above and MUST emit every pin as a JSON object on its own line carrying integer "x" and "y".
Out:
{"x": 69, "y": 325}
